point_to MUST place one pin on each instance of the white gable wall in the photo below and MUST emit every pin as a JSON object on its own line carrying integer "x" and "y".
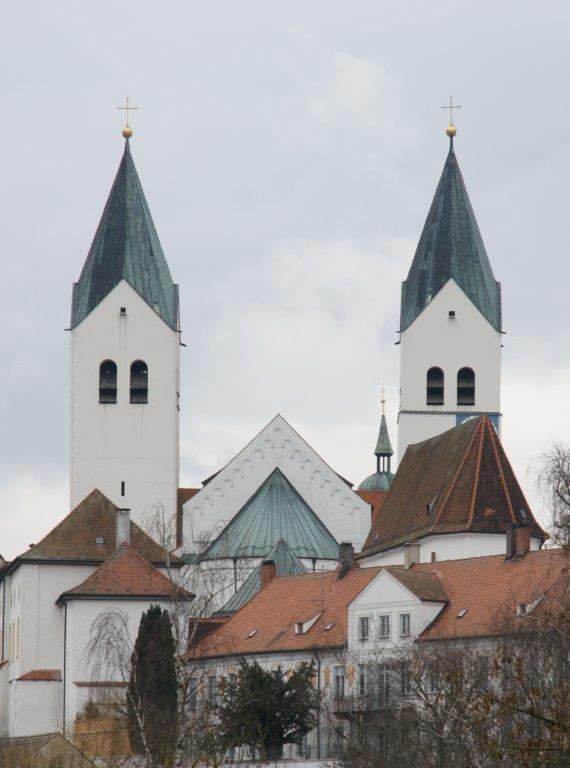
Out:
{"x": 343, "y": 512}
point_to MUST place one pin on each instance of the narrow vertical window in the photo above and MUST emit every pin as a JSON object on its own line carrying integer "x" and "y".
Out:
{"x": 139, "y": 382}
{"x": 363, "y": 628}
{"x": 466, "y": 386}
{"x": 108, "y": 382}
{"x": 434, "y": 388}
{"x": 338, "y": 682}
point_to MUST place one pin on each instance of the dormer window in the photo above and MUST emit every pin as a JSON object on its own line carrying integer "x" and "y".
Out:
{"x": 466, "y": 386}
{"x": 139, "y": 382}
{"x": 108, "y": 382}
{"x": 434, "y": 386}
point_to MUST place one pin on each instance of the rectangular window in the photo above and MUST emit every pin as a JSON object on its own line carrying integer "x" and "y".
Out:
{"x": 405, "y": 623}
{"x": 338, "y": 683}
{"x": 363, "y": 628}
{"x": 212, "y": 687}
{"x": 383, "y": 685}
{"x": 405, "y": 681}
{"x": 384, "y": 626}
{"x": 361, "y": 680}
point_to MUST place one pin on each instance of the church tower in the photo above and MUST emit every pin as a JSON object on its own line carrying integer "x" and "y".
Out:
{"x": 125, "y": 349}
{"x": 450, "y": 323}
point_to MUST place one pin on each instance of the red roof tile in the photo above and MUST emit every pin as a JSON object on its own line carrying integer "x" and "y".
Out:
{"x": 426, "y": 586}
{"x": 45, "y": 675}
{"x": 126, "y": 573}
{"x": 460, "y": 480}
{"x": 267, "y": 622}
{"x": 88, "y": 534}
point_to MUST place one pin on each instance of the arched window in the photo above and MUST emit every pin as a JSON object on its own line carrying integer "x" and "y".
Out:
{"x": 434, "y": 389}
{"x": 466, "y": 386}
{"x": 108, "y": 382}
{"x": 139, "y": 382}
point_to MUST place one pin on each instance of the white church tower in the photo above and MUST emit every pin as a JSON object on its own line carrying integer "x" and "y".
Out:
{"x": 125, "y": 348}
{"x": 450, "y": 325}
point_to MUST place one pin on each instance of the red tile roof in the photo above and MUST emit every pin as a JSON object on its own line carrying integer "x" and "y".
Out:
{"x": 124, "y": 574}
{"x": 45, "y": 675}
{"x": 424, "y": 585}
{"x": 460, "y": 480}
{"x": 376, "y": 500}
{"x": 267, "y": 622}
{"x": 76, "y": 537}
{"x": 489, "y": 589}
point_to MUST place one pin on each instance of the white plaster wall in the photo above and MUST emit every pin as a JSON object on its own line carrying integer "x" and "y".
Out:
{"x": 433, "y": 339}
{"x": 80, "y": 617}
{"x": 448, "y": 546}
{"x": 134, "y": 443}
{"x": 344, "y": 513}
{"x": 35, "y": 708}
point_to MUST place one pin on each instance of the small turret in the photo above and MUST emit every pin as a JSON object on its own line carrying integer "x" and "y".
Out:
{"x": 381, "y": 480}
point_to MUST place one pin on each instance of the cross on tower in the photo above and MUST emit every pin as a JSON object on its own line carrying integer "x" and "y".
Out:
{"x": 451, "y": 106}
{"x": 127, "y": 130}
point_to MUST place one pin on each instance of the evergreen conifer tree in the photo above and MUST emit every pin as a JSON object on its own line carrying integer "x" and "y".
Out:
{"x": 152, "y": 693}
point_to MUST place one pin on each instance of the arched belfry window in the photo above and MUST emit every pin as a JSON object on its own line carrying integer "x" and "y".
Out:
{"x": 434, "y": 386}
{"x": 466, "y": 386}
{"x": 139, "y": 382}
{"x": 108, "y": 382}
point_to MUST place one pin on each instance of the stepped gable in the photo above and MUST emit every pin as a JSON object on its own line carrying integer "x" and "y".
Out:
{"x": 276, "y": 511}
{"x": 451, "y": 246}
{"x": 491, "y": 590}
{"x": 458, "y": 481}
{"x": 124, "y": 574}
{"x": 126, "y": 247}
{"x": 88, "y": 534}
{"x": 267, "y": 623}
{"x": 286, "y": 563}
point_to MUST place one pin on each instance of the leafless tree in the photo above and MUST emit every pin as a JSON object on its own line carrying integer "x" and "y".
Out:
{"x": 553, "y": 478}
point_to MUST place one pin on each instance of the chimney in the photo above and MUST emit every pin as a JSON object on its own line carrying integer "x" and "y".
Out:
{"x": 268, "y": 572}
{"x": 123, "y": 530}
{"x": 411, "y": 554}
{"x": 345, "y": 558}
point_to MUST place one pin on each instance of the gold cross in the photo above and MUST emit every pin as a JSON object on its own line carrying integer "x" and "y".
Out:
{"x": 128, "y": 108}
{"x": 451, "y": 107}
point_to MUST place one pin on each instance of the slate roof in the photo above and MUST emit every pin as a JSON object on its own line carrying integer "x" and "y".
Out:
{"x": 126, "y": 247}
{"x": 275, "y": 511}
{"x": 460, "y": 480}
{"x": 126, "y": 574}
{"x": 286, "y": 562}
{"x": 286, "y": 600}
{"x": 451, "y": 246}
{"x": 489, "y": 589}
{"x": 76, "y": 537}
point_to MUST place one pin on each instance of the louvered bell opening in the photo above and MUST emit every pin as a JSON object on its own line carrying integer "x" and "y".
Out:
{"x": 435, "y": 384}
{"x": 139, "y": 382}
{"x": 466, "y": 387}
{"x": 108, "y": 382}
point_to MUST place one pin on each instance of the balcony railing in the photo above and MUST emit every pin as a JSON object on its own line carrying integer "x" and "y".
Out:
{"x": 369, "y": 702}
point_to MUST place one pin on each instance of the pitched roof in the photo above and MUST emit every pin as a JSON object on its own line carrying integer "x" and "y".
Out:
{"x": 286, "y": 562}
{"x": 451, "y": 246}
{"x": 88, "y": 534}
{"x": 458, "y": 481}
{"x": 126, "y": 247}
{"x": 126, "y": 573}
{"x": 267, "y": 622}
{"x": 422, "y": 584}
{"x": 383, "y": 444}
{"x": 275, "y": 511}
{"x": 489, "y": 589}
{"x": 43, "y": 675}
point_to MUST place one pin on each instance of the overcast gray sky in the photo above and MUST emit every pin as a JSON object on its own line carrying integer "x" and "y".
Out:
{"x": 289, "y": 152}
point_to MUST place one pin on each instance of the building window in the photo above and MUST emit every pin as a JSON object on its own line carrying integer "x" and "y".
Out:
{"x": 384, "y": 685}
{"x": 212, "y": 688}
{"x": 108, "y": 382}
{"x": 139, "y": 382}
{"x": 466, "y": 386}
{"x": 338, "y": 682}
{"x": 434, "y": 389}
{"x": 384, "y": 626}
{"x": 363, "y": 628}
{"x": 405, "y": 681}
{"x": 405, "y": 623}
{"x": 361, "y": 680}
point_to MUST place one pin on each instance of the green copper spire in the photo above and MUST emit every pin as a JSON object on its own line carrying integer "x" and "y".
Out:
{"x": 381, "y": 480}
{"x": 126, "y": 247}
{"x": 383, "y": 445}
{"x": 451, "y": 246}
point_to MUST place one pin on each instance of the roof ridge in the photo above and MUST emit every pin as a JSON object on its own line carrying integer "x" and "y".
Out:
{"x": 499, "y": 556}
{"x": 501, "y": 473}
{"x": 476, "y": 479}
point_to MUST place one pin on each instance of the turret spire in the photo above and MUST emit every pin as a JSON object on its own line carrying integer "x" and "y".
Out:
{"x": 382, "y": 479}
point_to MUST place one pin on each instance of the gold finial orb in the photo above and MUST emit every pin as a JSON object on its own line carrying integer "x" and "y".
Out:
{"x": 127, "y": 131}
{"x": 451, "y": 130}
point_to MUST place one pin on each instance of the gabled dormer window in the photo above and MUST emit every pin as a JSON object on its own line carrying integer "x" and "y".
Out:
{"x": 434, "y": 386}
{"x": 108, "y": 382}
{"x": 139, "y": 382}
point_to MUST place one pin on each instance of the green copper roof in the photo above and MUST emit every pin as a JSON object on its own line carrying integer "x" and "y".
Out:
{"x": 383, "y": 445}
{"x": 451, "y": 247}
{"x": 286, "y": 562}
{"x": 379, "y": 481}
{"x": 275, "y": 511}
{"x": 126, "y": 247}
